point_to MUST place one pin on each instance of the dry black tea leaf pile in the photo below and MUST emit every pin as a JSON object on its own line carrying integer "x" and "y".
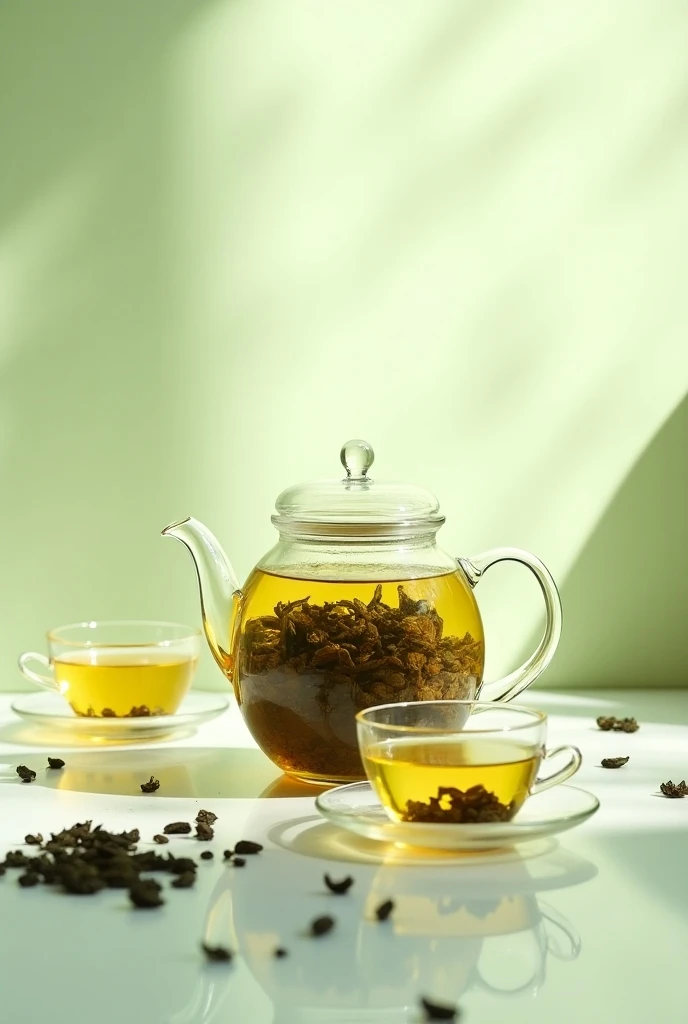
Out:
{"x": 83, "y": 860}
{"x": 454, "y": 806}
{"x": 338, "y": 658}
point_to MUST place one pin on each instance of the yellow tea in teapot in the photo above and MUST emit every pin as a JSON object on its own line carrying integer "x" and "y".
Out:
{"x": 442, "y": 779}
{"x": 310, "y": 654}
{"x": 123, "y": 681}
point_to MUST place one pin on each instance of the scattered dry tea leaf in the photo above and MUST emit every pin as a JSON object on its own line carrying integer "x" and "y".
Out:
{"x": 228, "y": 854}
{"x": 55, "y": 762}
{"x": 339, "y": 887}
{"x": 25, "y": 774}
{"x": 177, "y": 828}
{"x": 383, "y": 911}
{"x": 245, "y": 846}
{"x": 439, "y": 1011}
{"x": 34, "y": 840}
{"x": 280, "y": 953}
{"x": 217, "y": 954}
{"x": 207, "y": 817}
{"x": 321, "y": 926}
{"x": 614, "y": 762}
{"x": 626, "y": 725}
{"x": 207, "y": 855}
{"x": 151, "y": 786}
{"x": 145, "y": 894}
{"x": 185, "y": 880}
{"x": 607, "y": 723}
{"x": 160, "y": 839}
{"x": 674, "y": 791}
{"x": 16, "y": 859}
{"x": 28, "y": 880}
{"x": 238, "y": 862}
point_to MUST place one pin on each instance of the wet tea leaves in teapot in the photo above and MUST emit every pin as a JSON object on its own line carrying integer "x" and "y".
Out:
{"x": 341, "y": 887}
{"x": 56, "y": 763}
{"x": 337, "y": 655}
{"x": 675, "y": 791}
{"x": 151, "y": 786}
{"x": 614, "y": 762}
{"x": 439, "y": 1011}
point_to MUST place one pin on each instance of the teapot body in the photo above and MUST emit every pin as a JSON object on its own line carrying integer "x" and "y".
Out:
{"x": 320, "y": 635}
{"x": 355, "y": 606}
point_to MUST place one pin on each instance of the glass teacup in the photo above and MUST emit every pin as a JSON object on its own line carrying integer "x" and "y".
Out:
{"x": 457, "y": 761}
{"x": 119, "y": 669}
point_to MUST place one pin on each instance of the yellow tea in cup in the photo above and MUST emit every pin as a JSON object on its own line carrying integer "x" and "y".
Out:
{"x": 119, "y": 669}
{"x": 406, "y": 772}
{"x": 123, "y": 681}
{"x": 456, "y": 762}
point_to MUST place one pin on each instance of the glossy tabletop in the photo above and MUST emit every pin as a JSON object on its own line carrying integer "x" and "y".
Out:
{"x": 589, "y": 927}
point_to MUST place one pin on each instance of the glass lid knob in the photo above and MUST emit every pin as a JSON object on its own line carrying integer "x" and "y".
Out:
{"x": 357, "y": 458}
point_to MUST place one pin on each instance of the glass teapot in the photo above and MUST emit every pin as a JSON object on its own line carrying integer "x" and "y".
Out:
{"x": 356, "y": 605}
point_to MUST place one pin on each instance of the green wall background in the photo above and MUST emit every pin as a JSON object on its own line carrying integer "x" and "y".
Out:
{"x": 234, "y": 234}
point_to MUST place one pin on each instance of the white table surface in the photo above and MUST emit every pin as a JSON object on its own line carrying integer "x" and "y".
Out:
{"x": 592, "y": 927}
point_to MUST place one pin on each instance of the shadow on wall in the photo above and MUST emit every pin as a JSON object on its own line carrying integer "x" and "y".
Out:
{"x": 626, "y": 598}
{"x": 91, "y": 395}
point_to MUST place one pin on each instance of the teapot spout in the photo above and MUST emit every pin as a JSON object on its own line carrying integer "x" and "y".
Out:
{"x": 218, "y": 585}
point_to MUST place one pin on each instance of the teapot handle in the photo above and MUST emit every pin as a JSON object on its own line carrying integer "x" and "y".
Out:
{"x": 511, "y": 685}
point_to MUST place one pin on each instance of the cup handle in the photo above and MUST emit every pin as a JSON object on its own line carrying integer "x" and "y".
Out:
{"x": 569, "y": 769}
{"x": 525, "y": 674}
{"x": 47, "y": 682}
{"x": 570, "y": 947}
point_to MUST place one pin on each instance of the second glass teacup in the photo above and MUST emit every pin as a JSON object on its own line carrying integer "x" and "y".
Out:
{"x": 119, "y": 669}
{"x": 457, "y": 761}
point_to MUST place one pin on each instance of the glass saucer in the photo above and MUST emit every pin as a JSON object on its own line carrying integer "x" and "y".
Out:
{"x": 356, "y": 807}
{"x": 51, "y": 711}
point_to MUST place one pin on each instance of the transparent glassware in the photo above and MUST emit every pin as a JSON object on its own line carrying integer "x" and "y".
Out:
{"x": 356, "y": 605}
{"x": 117, "y": 669}
{"x": 416, "y": 755}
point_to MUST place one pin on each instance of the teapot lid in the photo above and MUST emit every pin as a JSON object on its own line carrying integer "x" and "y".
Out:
{"x": 356, "y": 506}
